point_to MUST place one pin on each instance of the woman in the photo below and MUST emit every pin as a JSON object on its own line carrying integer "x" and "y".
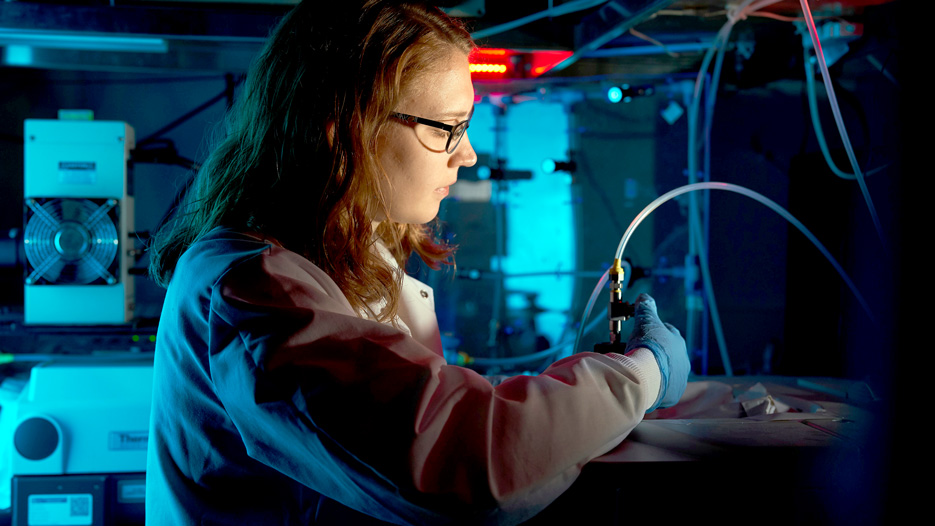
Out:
{"x": 298, "y": 372}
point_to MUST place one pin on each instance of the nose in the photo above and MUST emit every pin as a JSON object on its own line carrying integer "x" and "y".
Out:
{"x": 465, "y": 154}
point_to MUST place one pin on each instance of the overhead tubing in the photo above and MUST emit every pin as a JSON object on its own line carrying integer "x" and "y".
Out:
{"x": 564, "y": 9}
{"x": 629, "y": 18}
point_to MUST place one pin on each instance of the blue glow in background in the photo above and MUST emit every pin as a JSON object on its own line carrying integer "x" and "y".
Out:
{"x": 541, "y": 234}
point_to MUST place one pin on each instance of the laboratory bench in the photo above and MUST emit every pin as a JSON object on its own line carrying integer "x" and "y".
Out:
{"x": 759, "y": 450}
{"x": 766, "y": 450}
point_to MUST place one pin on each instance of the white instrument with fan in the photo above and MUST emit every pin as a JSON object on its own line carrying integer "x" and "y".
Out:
{"x": 78, "y": 215}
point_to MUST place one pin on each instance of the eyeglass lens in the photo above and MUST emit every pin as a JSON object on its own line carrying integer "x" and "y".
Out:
{"x": 454, "y": 139}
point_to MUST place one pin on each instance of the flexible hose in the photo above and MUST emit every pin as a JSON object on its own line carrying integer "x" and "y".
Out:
{"x": 539, "y": 355}
{"x": 712, "y": 303}
{"x": 564, "y": 9}
{"x": 592, "y": 300}
{"x": 836, "y": 110}
{"x": 719, "y": 47}
{"x": 816, "y": 122}
{"x": 583, "y": 328}
{"x": 753, "y": 195}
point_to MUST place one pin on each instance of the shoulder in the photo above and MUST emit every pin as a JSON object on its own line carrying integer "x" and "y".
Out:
{"x": 241, "y": 269}
{"x": 209, "y": 258}
{"x": 239, "y": 265}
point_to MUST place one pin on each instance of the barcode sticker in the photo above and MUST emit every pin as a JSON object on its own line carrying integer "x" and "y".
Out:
{"x": 60, "y": 510}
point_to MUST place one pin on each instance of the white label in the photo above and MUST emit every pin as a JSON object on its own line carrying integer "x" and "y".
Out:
{"x": 77, "y": 172}
{"x": 127, "y": 440}
{"x": 60, "y": 510}
{"x": 131, "y": 490}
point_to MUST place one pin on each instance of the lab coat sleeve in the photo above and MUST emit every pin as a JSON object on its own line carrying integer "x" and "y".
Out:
{"x": 364, "y": 414}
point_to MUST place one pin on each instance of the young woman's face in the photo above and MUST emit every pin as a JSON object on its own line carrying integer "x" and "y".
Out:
{"x": 418, "y": 168}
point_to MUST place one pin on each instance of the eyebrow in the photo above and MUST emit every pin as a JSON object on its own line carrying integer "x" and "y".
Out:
{"x": 455, "y": 115}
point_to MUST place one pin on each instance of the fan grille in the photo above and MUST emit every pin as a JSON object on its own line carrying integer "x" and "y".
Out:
{"x": 71, "y": 241}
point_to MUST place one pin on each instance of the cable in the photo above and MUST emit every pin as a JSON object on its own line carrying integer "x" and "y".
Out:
{"x": 643, "y": 36}
{"x": 540, "y": 355}
{"x": 758, "y": 197}
{"x": 816, "y": 123}
{"x": 719, "y": 48}
{"x": 882, "y": 67}
{"x": 585, "y": 171}
{"x": 832, "y": 99}
{"x": 474, "y": 274}
{"x": 630, "y": 19}
{"x": 564, "y": 9}
{"x": 627, "y": 274}
{"x": 176, "y": 202}
{"x": 583, "y": 328}
{"x": 712, "y": 303}
{"x": 181, "y": 120}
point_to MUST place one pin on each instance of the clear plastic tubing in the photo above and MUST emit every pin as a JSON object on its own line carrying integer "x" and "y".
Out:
{"x": 753, "y": 195}
{"x": 826, "y": 77}
{"x": 816, "y": 121}
{"x": 720, "y": 44}
{"x": 540, "y": 355}
{"x": 582, "y": 329}
{"x": 559, "y": 10}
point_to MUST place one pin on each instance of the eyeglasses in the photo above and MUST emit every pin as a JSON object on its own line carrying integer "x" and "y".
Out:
{"x": 455, "y": 132}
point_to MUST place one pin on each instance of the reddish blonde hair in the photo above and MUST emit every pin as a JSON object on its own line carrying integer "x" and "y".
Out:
{"x": 299, "y": 161}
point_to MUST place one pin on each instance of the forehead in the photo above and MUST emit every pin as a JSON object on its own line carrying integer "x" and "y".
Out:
{"x": 441, "y": 88}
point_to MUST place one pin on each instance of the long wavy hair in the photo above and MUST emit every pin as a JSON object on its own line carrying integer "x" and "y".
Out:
{"x": 298, "y": 163}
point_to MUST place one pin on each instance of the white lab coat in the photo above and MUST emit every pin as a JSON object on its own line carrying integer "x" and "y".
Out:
{"x": 416, "y": 313}
{"x": 272, "y": 398}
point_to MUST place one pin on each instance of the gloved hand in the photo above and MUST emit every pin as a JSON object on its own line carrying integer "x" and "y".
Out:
{"x": 667, "y": 345}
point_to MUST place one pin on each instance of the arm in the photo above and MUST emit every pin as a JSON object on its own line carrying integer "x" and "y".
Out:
{"x": 364, "y": 414}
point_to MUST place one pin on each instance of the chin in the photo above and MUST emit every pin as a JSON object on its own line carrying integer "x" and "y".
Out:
{"x": 417, "y": 217}
{"x": 429, "y": 219}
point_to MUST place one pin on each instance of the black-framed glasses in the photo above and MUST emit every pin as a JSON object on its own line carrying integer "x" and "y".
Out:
{"x": 455, "y": 131}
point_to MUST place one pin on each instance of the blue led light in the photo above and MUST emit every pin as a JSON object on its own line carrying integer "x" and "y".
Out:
{"x": 548, "y": 166}
{"x": 614, "y": 94}
{"x": 483, "y": 173}
{"x": 17, "y": 55}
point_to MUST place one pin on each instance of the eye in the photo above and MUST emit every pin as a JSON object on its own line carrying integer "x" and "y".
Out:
{"x": 459, "y": 130}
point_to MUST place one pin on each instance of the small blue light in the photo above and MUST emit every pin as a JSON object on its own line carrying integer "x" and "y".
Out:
{"x": 614, "y": 94}
{"x": 483, "y": 173}
{"x": 548, "y": 166}
{"x": 17, "y": 55}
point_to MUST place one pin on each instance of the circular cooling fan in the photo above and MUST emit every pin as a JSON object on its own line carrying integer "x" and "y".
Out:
{"x": 71, "y": 241}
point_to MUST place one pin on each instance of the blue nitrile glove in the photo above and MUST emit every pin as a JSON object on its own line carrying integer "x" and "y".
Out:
{"x": 667, "y": 345}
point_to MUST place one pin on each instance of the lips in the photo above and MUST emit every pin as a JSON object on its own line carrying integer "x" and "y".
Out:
{"x": 444, "y": 189}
